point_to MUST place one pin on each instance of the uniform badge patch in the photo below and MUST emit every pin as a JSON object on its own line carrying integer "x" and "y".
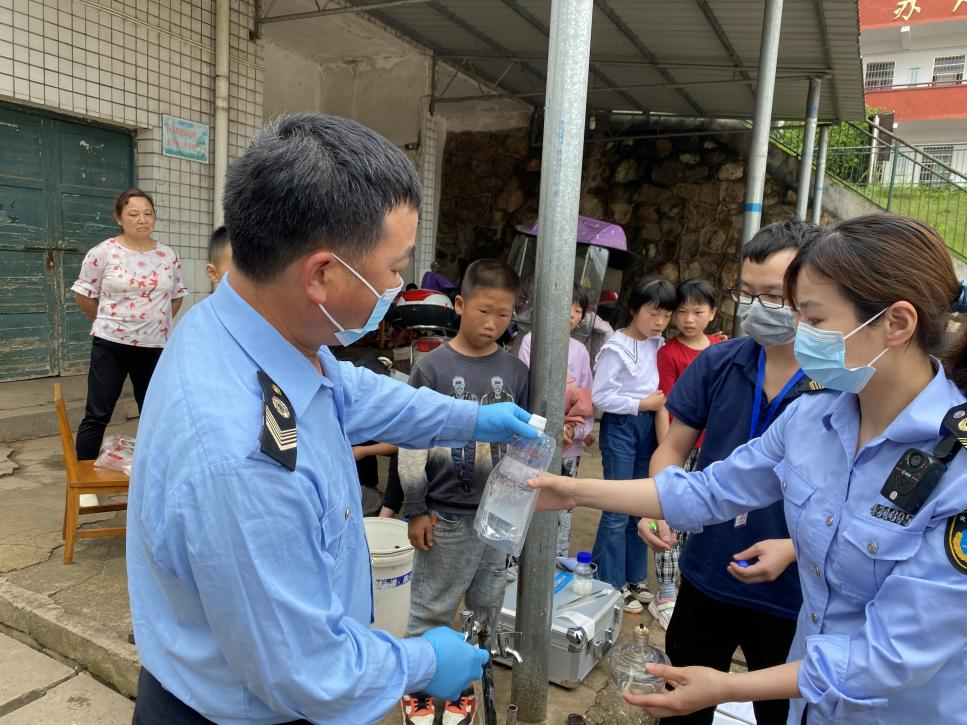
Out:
{"x": 278, "y": 438}
{"x": 955, "y": 541}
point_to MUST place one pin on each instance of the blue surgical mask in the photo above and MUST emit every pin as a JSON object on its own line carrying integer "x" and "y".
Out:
{"x": 822, "y": 356}
{"x": 383, "y": 301}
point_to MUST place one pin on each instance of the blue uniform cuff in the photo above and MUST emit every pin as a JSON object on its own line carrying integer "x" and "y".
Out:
{"x": 822, "y": 678}
{"x": 459, "y": 424}
{"x": 420, "y": 661}
{"x": 676, "y": 500}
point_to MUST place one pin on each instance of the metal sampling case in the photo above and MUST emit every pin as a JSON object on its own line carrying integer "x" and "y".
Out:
{"x": 583, "y": 629}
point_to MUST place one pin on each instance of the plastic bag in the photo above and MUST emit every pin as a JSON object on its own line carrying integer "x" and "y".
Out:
{"x": 117, "y": 453}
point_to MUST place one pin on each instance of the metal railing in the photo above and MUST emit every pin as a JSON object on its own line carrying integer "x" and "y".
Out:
{"x": 895, "y": 175}
{"x": 877, "y": 87}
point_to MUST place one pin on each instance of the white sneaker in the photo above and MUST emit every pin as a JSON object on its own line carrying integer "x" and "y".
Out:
{"x": 641, "y": 592}
{"x": 661, "y": 610}
{"x": 630, "y": 602}
{"x": 89, "y": 499}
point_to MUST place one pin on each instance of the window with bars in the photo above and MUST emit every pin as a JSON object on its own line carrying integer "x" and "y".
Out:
{"x": 931, "y": 173}
{"x": 948, "y": 69}
{"x": 879, "y": 75}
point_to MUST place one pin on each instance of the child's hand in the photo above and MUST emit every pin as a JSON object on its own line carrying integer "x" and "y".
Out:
{"x": 653, "y": 403}
{"x": 656, "y": 534}
{"x": 568, "y": 434}
{"x": 420, "y": 530}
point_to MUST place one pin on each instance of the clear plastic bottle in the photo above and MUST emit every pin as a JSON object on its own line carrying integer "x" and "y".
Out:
{"x": 627, "y": 663}
{"x": 582, "y": 583}
{"x": 507, "y": 504}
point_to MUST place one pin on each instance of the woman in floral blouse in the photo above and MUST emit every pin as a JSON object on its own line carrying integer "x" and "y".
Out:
{"x": 131, "y": 287}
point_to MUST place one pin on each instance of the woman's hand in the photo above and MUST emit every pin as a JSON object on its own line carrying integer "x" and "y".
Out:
{"x": 772, "y": 557}
{"x": 557, "y": 492}
{"x": 695, "y": 688}
{"x": 657, "y": 534}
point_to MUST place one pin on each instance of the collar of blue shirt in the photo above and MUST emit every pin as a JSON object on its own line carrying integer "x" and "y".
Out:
{"x": 280, "y": 360}
{"x": 919, "y": 421}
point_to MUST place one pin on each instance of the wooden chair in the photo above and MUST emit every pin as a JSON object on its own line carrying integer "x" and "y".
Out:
{"x": 82, "y": 477}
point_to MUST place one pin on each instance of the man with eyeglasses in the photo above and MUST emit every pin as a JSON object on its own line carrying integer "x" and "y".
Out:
{"x": 740, "y": 584}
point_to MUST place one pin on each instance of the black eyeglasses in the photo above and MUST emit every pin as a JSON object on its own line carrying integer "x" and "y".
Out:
{"x": 742, "y": 297}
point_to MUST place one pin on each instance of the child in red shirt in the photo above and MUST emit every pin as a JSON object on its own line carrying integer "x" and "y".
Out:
{"x": 695, "y": 310}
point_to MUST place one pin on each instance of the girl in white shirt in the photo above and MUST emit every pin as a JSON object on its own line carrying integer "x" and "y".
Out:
{"x": 626, "y": 389}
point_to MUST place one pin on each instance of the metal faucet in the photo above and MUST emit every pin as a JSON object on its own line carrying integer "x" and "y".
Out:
{"x": 479, "y": 629}
{"x": 507, "y": 642}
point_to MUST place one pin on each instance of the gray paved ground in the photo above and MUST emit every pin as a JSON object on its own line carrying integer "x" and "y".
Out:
{"x": 38, "y": 690}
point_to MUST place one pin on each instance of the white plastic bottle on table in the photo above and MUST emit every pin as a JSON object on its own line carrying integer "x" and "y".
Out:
{"x": 507, "y": 504}
{"x": 582, "y": 583}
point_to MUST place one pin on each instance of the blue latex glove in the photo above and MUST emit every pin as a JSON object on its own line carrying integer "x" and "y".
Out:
{"x": 458, "y": 664}
{"x": 498, "y": 422}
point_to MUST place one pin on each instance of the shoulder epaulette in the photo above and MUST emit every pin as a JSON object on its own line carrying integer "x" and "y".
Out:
{"x": 279, "y": 437}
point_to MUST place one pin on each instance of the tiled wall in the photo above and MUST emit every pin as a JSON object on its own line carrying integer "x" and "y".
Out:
{"x": 125, "y": 63}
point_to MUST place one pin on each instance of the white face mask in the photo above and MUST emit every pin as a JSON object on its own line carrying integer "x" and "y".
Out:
{"x": 383, "y": 301}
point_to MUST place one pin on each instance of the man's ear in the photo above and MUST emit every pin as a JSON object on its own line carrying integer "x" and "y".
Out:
{"x": 458, "y": 305}
{"x": 210, "y": 273}
{"x": 318, "y": 276}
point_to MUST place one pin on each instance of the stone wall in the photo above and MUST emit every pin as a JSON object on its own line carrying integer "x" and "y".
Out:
{"x": 678, "y": 199}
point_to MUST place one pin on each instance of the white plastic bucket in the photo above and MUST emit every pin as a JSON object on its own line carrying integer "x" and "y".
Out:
{"x": 392, "y": 558}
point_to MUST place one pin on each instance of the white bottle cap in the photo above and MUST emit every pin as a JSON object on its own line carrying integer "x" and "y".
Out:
{"x": 538, "y": 422}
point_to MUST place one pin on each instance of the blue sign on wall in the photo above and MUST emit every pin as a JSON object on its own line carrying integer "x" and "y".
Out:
{"x": 184, "y": 139}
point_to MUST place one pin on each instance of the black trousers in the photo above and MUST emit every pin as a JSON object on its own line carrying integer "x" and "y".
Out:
{"x": 157, "y": 706}
{"x": 393, "y": 498}
{"x": 111, "y": 363}
{"x": 705, "y": 631}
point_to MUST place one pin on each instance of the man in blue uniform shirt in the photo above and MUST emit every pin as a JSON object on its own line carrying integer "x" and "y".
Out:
{"x": 248, "y": 569}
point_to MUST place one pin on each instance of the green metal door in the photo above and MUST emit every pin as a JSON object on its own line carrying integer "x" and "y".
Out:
{"x": 57, "y": 182}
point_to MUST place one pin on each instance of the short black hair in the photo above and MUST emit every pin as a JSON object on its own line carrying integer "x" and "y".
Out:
{"x": 698, "y": 292}
{"x": 217, "y": 244}
{"x": 311, "y": 181}
{"x": 489, "y": 274}
{"x": 579, "y": 297}
{"x": 787, "y": 234}
{"x": 657, "y": 290}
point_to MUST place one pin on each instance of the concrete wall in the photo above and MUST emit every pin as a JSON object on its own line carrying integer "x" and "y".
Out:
{"x": 124, "y": 63}
{"x": 293, "y": 82}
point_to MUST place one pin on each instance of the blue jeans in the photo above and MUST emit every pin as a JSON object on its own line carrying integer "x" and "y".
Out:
{"x": 458, "y": 566}
{"x": 627, "y": 442}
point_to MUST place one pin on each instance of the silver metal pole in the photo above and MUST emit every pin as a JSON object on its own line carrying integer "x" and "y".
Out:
{"x": 222, "y": 40}
{"x": 569, "y": 50}
{"x": 820, "y": 174}
{"x": 808, "y": 141}
{"x": 761, "y": 124}
{"x": 874, "y": 152}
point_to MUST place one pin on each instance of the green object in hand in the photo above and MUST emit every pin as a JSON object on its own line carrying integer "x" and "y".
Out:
{"x": 654, "y": 527}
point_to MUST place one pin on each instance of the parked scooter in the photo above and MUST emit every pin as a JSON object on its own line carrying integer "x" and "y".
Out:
{"x": 428, "y": 320}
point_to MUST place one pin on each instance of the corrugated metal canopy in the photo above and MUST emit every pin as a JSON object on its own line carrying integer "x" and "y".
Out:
{"x": 683, "y": 57}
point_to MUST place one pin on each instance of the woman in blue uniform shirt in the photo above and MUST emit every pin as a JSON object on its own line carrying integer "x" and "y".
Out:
{"x": 882, "y": 635}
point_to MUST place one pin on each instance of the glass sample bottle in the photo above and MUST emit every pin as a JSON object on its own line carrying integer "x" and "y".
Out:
{"x": 582, "y": 583}
{"x": 627, "y": 663}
